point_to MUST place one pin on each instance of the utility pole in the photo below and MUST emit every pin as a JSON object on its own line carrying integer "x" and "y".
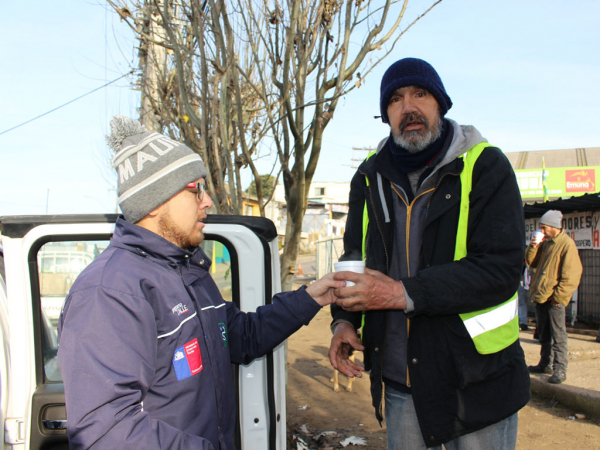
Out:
{"x": 359, "y": 154}
{"x": 152, "y": 63}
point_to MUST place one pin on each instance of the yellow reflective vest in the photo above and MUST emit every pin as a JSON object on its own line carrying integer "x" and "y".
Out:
{"x": 495, "y": 328}
{"x": 491, "y": 329}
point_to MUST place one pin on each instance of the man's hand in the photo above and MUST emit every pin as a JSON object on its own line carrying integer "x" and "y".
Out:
{"x": 372, "y": 290}
{"x": 322, "y": 290}
{"x": 343, "y": 341}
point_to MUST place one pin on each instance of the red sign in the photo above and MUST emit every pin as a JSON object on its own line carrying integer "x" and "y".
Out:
{"x": 580, "y": 180}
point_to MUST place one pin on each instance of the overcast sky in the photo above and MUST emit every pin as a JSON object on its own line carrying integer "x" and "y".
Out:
{"x": 525, "y": 73}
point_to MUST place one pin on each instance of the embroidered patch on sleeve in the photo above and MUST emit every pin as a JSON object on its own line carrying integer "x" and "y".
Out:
{"x": 187, "y": 360}
{"x": 223, "y": 330}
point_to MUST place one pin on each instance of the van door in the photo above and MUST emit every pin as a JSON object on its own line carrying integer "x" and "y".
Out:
{"x": 44, "y": 255}
{"x": 4, "y": 350}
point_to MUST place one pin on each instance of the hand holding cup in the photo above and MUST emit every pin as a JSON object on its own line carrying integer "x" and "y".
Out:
{"x": 536, "y": 238}
{"x": 350, "y": 266}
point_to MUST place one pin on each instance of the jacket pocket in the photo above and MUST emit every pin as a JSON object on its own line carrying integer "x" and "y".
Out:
{"x": 470, "y": 366}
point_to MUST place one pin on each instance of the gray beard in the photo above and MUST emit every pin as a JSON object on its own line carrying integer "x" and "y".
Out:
{"x": 414, "y": 141}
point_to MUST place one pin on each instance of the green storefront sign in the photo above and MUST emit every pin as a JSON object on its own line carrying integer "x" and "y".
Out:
{"x": 561, "y": 181}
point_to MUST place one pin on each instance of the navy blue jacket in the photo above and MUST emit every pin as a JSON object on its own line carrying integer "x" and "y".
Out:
{"x": 146, "y": 346}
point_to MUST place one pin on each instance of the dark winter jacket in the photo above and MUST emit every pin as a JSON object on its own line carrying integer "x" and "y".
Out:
{"x": 455, "y": 389}
{"x": 147, "y": 342}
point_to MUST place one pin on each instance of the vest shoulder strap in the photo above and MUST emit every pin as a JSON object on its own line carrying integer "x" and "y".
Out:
{"x": 365, "y": 221}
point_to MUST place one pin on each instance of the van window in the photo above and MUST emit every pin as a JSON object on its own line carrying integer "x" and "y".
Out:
{"x": 220, "y": 269}
{"x": 60, "y": 263}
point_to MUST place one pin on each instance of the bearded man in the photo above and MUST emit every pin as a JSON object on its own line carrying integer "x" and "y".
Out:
{"x": 436, "y": 214}
{"x": 146, "y": 339}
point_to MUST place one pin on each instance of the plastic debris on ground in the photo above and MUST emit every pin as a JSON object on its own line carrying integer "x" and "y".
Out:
{"x": 303, "y": 438}
{"x": 330, "y": 434}
{"x": 354, "y": 441}
{"x": 300, "y": 444}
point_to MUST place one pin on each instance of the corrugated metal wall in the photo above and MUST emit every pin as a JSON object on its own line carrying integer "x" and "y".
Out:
{"x": 588, "y": 307}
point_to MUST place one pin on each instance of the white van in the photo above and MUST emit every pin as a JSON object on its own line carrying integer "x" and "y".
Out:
{"x": 42, "y": 257}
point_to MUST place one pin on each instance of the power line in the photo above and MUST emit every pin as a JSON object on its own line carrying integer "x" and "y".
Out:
{"x": 68, "y": 103}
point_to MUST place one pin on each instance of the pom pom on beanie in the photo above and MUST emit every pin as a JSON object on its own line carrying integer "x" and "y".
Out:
{"x": 151, "y": 167}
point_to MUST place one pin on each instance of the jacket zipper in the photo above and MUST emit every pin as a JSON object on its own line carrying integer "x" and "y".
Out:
{"x": 408, "y": 217}
{"x": 204, "y": 335}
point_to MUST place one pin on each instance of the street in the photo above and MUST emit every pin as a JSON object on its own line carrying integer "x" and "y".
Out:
{"x": 311, "y": 401}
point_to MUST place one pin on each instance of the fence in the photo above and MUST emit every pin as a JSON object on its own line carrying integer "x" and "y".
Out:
{"x": 328, "y": 252}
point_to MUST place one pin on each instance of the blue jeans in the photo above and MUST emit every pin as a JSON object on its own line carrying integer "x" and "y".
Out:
{"x": 404, "y": 433}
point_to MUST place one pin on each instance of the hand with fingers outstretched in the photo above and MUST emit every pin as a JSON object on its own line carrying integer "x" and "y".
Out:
{"x": 344, "y": 341}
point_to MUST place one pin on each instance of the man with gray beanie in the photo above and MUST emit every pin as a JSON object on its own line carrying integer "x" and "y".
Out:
{"x": 146, "y": 340}
{"x": 556, "y": 275}
{"x": 437, "y": 216}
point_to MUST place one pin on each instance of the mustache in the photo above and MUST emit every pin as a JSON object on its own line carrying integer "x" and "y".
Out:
{"x": 414, "y": 117}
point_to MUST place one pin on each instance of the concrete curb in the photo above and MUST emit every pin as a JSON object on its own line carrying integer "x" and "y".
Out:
{"x": 582, "y": 331}
{"x": 581, "y": 400}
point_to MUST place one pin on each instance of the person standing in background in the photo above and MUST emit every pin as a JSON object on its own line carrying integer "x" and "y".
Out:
{"x": 524, "y": 299}
{"x": 557, "y": 273}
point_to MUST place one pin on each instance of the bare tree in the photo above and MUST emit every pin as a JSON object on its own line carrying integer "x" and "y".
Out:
{"x": 192, "y": 91}
{"x": 252, "y": 73}
{"x": 306, "y": 49}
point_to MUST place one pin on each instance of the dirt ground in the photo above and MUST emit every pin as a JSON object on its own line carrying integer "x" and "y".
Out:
{"x": 313, "y": 407}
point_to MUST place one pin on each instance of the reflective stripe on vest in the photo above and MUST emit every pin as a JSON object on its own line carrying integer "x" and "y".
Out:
{"x": 495, "y": 328}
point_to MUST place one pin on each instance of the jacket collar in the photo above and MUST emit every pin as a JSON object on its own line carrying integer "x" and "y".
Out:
{"x": 463, "y": 138}
{"x": 560, "y": 237}
{"x": 144, "y": 242}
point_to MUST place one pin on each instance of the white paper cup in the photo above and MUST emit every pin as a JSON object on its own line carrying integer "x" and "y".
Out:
{"x": 351, "y": 266}
{"x": 537, "y": 236}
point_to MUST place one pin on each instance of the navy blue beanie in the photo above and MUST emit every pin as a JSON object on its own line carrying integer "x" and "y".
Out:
{"x": 412, "y": 72}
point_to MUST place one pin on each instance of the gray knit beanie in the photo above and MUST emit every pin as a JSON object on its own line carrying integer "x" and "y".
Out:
{"x": 151, "y": 167}
{"x": 552, "y": 218}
